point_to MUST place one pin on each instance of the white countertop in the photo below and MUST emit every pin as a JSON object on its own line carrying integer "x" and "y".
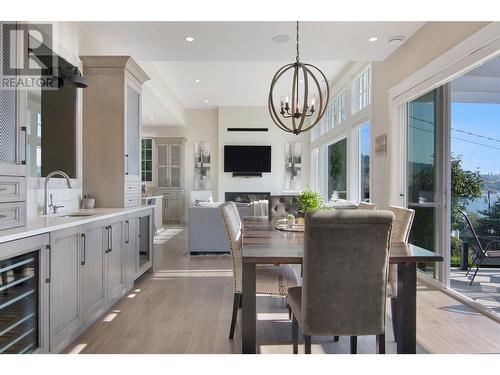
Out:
{"x": 44, "y": 224}
{"x": 152, "y": 196}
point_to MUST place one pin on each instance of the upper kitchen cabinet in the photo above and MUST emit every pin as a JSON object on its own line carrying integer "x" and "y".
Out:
{"x": 111, "y": 130}
{"x": 12, "y": 127}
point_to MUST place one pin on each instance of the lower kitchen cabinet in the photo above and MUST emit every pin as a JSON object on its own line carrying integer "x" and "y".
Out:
{"x": 114, "y": 263}
{"x": 63, "y": 281}
{"x": 64, "y": 291}
{"x": 93, "y": 271}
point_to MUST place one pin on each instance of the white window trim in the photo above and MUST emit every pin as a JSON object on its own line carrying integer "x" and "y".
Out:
{"x": 355, "y": 94}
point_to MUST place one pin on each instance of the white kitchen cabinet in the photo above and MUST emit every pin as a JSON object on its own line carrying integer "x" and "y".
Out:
{"x": 111, "y": 130}
{"x": 114, "y": 262}
{"x": 64, "y": 276}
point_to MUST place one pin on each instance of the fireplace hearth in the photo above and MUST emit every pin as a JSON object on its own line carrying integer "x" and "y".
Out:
{"x": 245, "y": 197}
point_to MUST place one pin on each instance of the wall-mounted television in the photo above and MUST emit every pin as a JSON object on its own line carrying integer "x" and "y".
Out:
{"x": 247, "y": 159}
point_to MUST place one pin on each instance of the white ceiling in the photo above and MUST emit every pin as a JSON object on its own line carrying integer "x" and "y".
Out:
{"x": 480, "y": 85}
{"x": 234, "y": 61}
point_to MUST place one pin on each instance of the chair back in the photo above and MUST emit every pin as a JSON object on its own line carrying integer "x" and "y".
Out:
{"x": 366, "y": 206}
{"x": 232, "y": 223}
{"x": 403, "y": 220}
{"x": 282, "y": 205}
{"x": 346, "y": 255}
{"x": 479, "y": 250}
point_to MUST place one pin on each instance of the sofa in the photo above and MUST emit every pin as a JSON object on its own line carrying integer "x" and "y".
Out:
{"x": 206, "y": 230}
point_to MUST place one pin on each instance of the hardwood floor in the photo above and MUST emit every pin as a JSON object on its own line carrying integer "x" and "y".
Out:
{"x": 185, "y": 307}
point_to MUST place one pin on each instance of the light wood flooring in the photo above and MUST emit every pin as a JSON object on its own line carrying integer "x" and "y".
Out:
{"x": 185, "y": 307}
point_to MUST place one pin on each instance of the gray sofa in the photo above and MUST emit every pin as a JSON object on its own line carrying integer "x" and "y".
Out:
{"x": 206, "y": 231}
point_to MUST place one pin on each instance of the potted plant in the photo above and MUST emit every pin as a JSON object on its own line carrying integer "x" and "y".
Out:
{"x": 290, "y": 220}
{"x": 310, "y": 200}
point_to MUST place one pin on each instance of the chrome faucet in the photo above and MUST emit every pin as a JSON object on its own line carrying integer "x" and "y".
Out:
{"x": 46, "y": 206}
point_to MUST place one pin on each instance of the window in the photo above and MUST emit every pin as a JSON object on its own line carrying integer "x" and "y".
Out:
{"x": 362, "y": 91}
{"x": 315, "y": 170}
{"x": 337, "y": 170}
{"x": 364, "y": 162}
{"x": 339, "y": 112}
{"x": 147, "y": 160}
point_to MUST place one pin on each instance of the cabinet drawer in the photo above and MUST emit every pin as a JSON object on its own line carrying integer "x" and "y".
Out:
{"x": 132, "y": 188}
{"x": 12, "y": 215}
{"x": 132, "y": 200}
{"x": 12, "y": 189}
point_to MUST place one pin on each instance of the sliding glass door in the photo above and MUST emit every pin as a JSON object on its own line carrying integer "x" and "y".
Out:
{"x": 424, "y": 176}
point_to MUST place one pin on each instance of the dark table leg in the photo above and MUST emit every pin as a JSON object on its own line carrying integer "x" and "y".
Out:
{"x": 407, "y": 308}
{"x": 248, "y": 317}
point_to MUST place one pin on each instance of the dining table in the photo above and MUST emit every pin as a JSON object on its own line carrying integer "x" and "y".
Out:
{"x": 262, "y": 243}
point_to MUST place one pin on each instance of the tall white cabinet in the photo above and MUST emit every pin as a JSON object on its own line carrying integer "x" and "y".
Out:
{"x": 111, "y": 130}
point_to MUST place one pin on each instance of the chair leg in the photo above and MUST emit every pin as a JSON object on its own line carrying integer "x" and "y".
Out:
{"x": 381, "y": 343}
{"x": 307, "y": 344}
{"x": 394, "y": 313}
{"x": 236, "y": 304}
{"x": 477, "y": 269}
{"x": 289, "y": 312}
{"x": 472, "y": 263}
{"x": 354, "y": 344}
{"x": 241, "y": 302}
{"x": 336, "y": 339}
{"x": 295, "y": 335}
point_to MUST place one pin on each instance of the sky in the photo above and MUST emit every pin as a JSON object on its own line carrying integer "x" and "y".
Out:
{"x": 482, "y": 119}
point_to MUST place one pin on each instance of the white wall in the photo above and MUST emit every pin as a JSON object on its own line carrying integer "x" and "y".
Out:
{"x": 258, "y": 117}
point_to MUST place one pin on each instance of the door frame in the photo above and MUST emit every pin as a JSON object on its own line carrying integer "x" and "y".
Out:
{"x": 467, "y": 55}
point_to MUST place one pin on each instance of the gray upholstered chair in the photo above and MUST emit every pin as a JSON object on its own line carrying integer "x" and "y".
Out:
{"x": 282, "y": 205}
{"x": 271, "y": 280}
{"x": 366, "y": 206}
{"x": 346, "y": 254}
{"x": 401, "y": 227}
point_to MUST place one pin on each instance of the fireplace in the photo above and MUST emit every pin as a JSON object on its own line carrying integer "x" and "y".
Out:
{"x": 245, "y": 197}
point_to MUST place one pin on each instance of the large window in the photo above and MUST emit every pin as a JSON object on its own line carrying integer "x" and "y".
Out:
{"x": 364, "y": 162}
{"x": 362, "y": 91}
{"x": 337, "y": 170}
{"x": 147, "y": 160}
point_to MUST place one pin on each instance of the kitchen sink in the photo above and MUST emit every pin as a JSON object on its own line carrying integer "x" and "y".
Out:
{"x": 76, "y": 215}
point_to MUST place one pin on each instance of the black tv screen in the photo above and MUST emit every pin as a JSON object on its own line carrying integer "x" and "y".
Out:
{"x": 247, "y": 159}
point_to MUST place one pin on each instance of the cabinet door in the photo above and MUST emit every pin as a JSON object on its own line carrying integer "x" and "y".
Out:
{"x": 175, "y": 166}
{"x": 162, "y": 165}
{"x": 145, "y": 242}
{"x": 171, "y": 210}
{"x": 115, "y": 280}
{"x": 133, "y": 129}
{"x": 131, "y": 250}
{"x": 92, "y": 269}
{"x": 11, "y": 157}
{"x": 64, "y": 293}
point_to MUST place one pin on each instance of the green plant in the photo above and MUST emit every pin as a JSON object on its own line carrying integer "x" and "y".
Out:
{"x": 310, "y": 200}
{"x": 290, "y": 217}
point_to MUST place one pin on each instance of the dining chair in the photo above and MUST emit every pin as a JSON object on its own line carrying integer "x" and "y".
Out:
{"x": 480, "y": 252}
{"x": 346, "y": 254}
{"x": 270, "y": 279}
{"x": 401, "y": 227}
{"x": 366, "y": 206}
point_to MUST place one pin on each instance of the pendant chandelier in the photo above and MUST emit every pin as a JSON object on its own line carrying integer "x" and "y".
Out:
{"x": 305, "y": 87}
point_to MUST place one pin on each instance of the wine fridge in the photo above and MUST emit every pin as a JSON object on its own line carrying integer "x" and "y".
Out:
{"x": 19, "y": 303}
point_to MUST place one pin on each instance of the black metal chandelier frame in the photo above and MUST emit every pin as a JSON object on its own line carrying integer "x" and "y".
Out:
{"x": 291, "y": 113}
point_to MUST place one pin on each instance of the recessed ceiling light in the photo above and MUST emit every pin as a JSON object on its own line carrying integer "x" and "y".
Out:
{"x": 398, "y": 39}
{"x": 280, "y": 38}
{"x": 197, "y": 80}
{"x": 151, "y": 118}
{"x": 189, "y": 39}
{"x": 206, "y": 100}
{"x": 373, "y": 39}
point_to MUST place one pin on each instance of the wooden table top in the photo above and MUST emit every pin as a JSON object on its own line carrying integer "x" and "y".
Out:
{"x": 263, "y": 243}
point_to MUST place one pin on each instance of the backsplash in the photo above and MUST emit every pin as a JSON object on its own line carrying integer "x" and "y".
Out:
{"x": 69, "y": 198}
